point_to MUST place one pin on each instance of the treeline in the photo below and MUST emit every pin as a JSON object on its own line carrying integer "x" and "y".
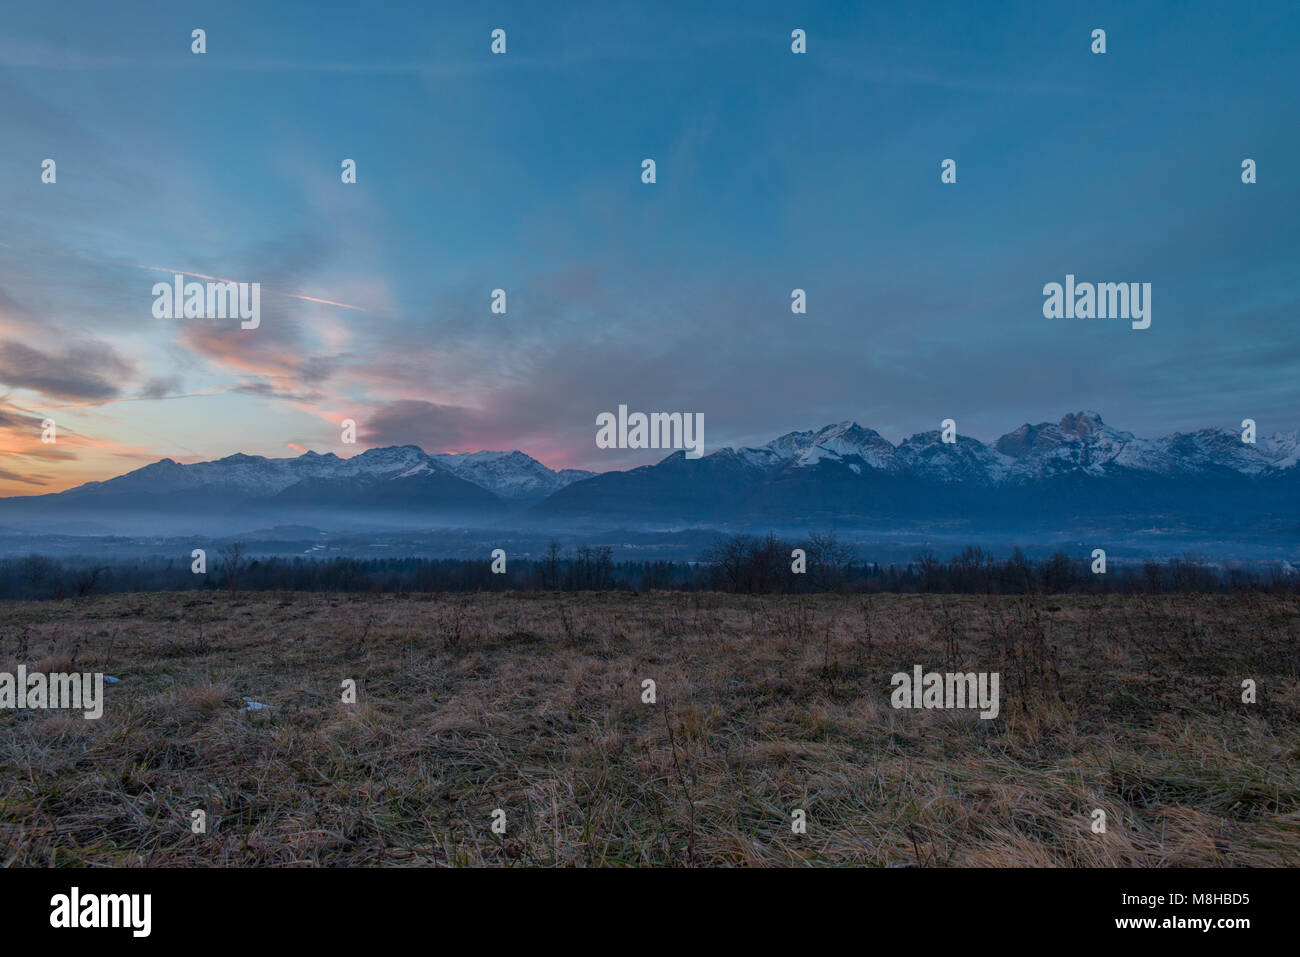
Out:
{"x": 584, "y": 568}
{"x": 739, "y": 564}
{"x": 763, "y": 565}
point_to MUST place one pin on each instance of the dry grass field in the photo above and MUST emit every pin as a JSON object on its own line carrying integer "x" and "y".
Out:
{"x": 532, "y": 703}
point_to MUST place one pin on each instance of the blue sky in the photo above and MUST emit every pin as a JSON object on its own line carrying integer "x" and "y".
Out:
{"x": 522, "y": 171}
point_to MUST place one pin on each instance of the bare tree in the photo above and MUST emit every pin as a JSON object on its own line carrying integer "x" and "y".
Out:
{"x": 553, "y": 564}
{"x": 87, "y": 580}
{"x": 232, "y": 565}
{"x": 727, "y": 558}
{"x": 828, "y": 560}
{"x": 751, "y": 565}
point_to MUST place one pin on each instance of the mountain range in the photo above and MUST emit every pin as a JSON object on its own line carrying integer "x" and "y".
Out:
{"x": 1076, "y": 476}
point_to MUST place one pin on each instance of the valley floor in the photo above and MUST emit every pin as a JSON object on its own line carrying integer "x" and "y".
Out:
{"x": 533, "y": 704}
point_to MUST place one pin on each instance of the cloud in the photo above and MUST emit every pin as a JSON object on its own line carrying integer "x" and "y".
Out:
{"x": 20, "y": 439}
{"x": 272, "y": 359}
{"x": 431, "y": 426}
{"x": 14, "y": 419}
{"x": 161, "y": 387}
{"x": 87, "y": 370}
{"x": 38, "y": 480}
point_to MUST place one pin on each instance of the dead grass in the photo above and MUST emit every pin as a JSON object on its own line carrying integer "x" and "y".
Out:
{"x": 532, "y": 703}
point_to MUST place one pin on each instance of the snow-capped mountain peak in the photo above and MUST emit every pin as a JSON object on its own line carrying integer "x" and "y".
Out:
{"x": 512, "y": 475}
{"x": 1081, "y": 425}
{"x": 1080, "y": 442}
{"x": 835, "y": 443}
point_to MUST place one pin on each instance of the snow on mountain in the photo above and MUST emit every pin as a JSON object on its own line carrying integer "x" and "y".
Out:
{"x": 387, "y": 462}
{"x": 256, "y": 475}
{"x": 248, "y": 474}
{"x": 1082, "y": 441}
{"x": 835, "y": 443}
{"x": 966, "y": 460}
{"x": 1079, "y": 443}
{"x": 1211, "y": 449}
{"x": 864, "y": 450}
{"x": 1283, "y": 448}
{"x": 512, "y": 475}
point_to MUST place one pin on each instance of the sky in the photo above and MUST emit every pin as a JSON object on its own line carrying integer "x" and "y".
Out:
{"x": 522, "y": 171}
